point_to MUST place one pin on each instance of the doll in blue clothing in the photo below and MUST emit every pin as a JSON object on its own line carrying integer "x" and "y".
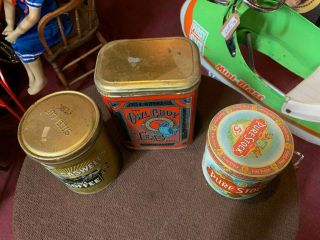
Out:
{"x": 24, "y": 36}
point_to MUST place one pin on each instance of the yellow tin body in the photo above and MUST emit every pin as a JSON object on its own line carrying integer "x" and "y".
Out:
{"x": 150, "y": 87}
{"x": 65, "y": 133}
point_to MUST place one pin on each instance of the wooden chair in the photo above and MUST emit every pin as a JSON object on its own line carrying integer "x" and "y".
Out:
{"x": 85, "y": 28}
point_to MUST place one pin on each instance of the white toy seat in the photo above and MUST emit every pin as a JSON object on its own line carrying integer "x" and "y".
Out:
{"x": 303, "y": 101}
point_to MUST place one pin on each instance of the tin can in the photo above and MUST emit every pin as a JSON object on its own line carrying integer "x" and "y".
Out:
{"x": 247, "y": 146}
{"x": 64, "y": 132}
{"x": 150, "y": 87}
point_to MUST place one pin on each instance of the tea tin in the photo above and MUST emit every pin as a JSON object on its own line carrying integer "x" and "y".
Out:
{"x": 247, "y": 146}
{"x": 150, "y": 87}
{"x": 64, "y": 132}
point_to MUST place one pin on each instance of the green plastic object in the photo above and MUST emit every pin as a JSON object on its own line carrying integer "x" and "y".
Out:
{"x": 283, "y": 35}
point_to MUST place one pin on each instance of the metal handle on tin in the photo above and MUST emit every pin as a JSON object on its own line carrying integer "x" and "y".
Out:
{"x": 300, "y": 158}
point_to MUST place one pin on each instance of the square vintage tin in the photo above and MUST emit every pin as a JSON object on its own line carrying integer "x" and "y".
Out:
{"x": 150, "y": 87}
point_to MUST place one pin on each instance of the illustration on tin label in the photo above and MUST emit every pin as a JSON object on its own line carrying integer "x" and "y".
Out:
{"x": 82, "y": 175}
{"x": 250, "y": 137}
{"x": 162, "y": 126}
{"x": 85, "y": 181}
{"x": 155, "y": 122}
{"x": 234, "y": 190}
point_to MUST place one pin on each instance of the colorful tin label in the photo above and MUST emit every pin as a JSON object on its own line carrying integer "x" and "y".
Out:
{"x": 92, "y": 171}
{"x": 247, "y": 146}
{"x": 86, "y": 175}
{"x": 158, "y": 121}
{"x": 251, "y": 140}
{"x": 225, "y": 183}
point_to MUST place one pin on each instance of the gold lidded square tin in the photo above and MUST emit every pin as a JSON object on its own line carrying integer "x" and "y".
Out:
{"x": 150, "y": 87}
{"x": 64, "y": 132}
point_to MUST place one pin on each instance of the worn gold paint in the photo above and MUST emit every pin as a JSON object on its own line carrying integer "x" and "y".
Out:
{"x": 64, "y": 132}
{"x": 147, "y": 66}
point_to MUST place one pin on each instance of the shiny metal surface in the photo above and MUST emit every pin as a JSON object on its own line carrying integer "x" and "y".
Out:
{"x": 58, "y": 126}
{"x": 64, "y": 132}
{"x": 147, "y": 65}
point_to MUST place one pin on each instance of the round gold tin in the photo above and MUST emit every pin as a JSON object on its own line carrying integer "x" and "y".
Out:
{"x": 64, "y": 132}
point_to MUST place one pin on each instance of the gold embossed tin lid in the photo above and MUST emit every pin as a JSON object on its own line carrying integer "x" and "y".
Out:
{"x": 147, "y": 65}
{"x": 59, "y": 127}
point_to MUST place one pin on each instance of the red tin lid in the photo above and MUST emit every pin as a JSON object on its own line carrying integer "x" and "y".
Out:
{"x": 250, "y": 140}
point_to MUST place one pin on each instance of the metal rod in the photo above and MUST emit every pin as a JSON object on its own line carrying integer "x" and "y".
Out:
{"x": 300, "y": 158}
{"x": 252, "y": 66}
{"x": 250, "y": 52}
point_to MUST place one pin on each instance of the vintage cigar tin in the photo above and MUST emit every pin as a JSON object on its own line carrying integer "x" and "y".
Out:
{"x": 64, "y": 132}
{"x": 150, "y": 87}
{"x": 247, "y": 146}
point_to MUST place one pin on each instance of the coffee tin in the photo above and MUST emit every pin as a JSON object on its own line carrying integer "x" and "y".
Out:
{"x": 247, "y": 146}
{"x": 150, "y": 87}
{"x": 64, "y": 132}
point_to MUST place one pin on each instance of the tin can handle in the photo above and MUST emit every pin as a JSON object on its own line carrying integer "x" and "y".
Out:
{"x": 300, "y": 157}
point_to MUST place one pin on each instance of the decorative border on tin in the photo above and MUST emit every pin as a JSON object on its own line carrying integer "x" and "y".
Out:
{"x": 215, "y": 159}
{"x": 274, "y": 168}
{"x": 185, "y": 101}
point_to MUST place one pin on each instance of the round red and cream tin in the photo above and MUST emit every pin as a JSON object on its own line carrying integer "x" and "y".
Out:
{"x": 247, "y": 146}
{"x": 150, "y": 87}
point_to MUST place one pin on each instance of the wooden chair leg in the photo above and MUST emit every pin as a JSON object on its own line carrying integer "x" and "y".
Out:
{"x": 60, "y": 75}
{"x": 101, "y": 38}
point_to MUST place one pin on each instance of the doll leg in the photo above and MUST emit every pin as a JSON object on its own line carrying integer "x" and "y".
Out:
{"x": 30, "y": 74}
{"x": 40, "y": 79}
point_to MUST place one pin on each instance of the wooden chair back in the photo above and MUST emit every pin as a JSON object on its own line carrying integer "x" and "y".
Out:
{"x": 85, "y": 25}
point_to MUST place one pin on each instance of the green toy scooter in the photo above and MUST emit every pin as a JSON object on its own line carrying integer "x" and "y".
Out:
{"x": 272, "y": 28}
